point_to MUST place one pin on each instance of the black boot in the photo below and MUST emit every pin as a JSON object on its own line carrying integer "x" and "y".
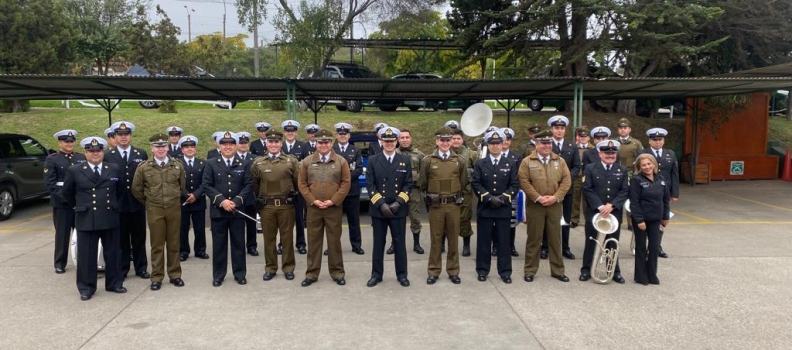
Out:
{"x": 417, "y": 243}
{"x": 465, "y": 246}
{"x": 391, "y": 250}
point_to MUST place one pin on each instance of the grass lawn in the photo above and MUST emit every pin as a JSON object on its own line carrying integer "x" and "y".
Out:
{"x": 48, "y": 117}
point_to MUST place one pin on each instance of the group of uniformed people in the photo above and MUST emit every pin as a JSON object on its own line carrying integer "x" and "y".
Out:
{"x": 115, "y": 188}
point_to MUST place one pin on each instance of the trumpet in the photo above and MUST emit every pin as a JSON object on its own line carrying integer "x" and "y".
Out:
{"x": 604, "y": 260}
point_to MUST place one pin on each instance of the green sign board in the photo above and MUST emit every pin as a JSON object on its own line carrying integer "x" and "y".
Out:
{"x": 737, "y": 168}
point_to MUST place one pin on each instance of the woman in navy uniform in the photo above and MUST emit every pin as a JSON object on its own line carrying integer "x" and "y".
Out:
{"x": 193, "y": 202}
{"x": 93, "y": 190}
{"x": 226, "y": 181}
{"x": 666, "y": 166}
{"x": 650, "y": 201}
{"x": 55, "y": 167}
{"x": 389, "y": 180}
{"x": 495, "y": 183}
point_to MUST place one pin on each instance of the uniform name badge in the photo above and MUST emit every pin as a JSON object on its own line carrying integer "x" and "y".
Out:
{"x": 267, "y": 170}
{"x": 555, "y": 164}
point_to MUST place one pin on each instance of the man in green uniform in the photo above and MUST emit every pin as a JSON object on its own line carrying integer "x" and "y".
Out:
{"x": 629, "y": 150}
{"x": 528, "y": 147}
{"x": 324, "y": 182}
{"x": 158, "y": 184}
{"x": 466, "y": 215}
{"x": 544, "y": 177}
{"x": 442, "y": 176}
{"x": 274, "y": 177}
{"x": 414, "y": 204}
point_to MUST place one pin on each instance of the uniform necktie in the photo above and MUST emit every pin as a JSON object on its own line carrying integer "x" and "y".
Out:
{"x": 324, "y": 159}
{"x": 657, "y": 152}
{"x": 288, "y": 148}
{"x": 189, "y": 162}
{"x": 495, "y": 162}
{"x": 125, "y": 157}
{"x": 96, "y": 170}
{"x": 162, "y": 164}
{"x": 228, "y": 162}
{"x": 544, "y": 160}
{"x": 445, "y": 156}
{"x": 607, "y": 168}
{"x": 558, "y": 144}
{"x": 390, "y": 159}
{"x": 343, "y": 149}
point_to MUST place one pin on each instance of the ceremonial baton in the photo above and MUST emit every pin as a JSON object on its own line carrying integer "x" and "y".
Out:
{"x": 247, "y": 216}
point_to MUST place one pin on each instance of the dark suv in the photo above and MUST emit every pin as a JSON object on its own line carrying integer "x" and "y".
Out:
{"x": 21, "y": 171}
{"x": 343, "y": 70}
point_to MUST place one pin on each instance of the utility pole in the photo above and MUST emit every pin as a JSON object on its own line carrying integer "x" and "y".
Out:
{"x": 351, "y": 47}
{"x": 224, "y": 20}
{"x": 189, "y": 23}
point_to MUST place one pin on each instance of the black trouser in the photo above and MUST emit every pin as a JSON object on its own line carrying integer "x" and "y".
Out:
{"x": 199, "y": 231}
{"x": 250, "y": 227}
{"x": 224, "y": 229}
{"x": 488, "y": 230}
{"x": 133, "y": 240}
{"x": 87, "y": 254}
{"x": 591, "y": 236}
{"x": 351, "y": 207}
{"x": 63, "y": 218}
{"x": 397, "y": 227}
{"x": 567, "y": 215}
{"x": 299, "y": 221}
{"x": 646, "y": 264}
{"x": 512, "y": 237}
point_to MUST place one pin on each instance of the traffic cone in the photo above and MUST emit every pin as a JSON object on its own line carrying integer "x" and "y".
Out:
{"x": 787, "y": 174}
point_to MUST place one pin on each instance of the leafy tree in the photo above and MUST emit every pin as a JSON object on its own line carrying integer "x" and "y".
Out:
{"x": 473, "y": 22}
{"x": 216, "y": 55}
{"x": 155, "y": 45}
{"x": 36, "y": 38}
{"x": 251, "y": 14}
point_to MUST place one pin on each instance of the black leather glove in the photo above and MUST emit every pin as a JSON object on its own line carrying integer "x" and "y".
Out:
{"x": 495, "y": 202}
{"x": 386, "y": 211}
{"x": 504, "y": 199}
{"x": 394, "y": 207}
{"x": 259, "y": 203}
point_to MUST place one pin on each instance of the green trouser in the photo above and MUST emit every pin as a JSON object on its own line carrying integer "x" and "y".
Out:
{"x": 414, "y": 204}
{"x": 277, "y": 219}
{"x": 539, "y": 219}
{"x": 444, "y": 220}
{"x": 577, "y": 200}
{"x": 323, "y": 222}
{"x": 466, "y": 215}
{"x": 164, "y": 224}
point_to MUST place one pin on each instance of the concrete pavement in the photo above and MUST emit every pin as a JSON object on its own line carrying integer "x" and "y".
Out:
{"x": 724, "y": 286}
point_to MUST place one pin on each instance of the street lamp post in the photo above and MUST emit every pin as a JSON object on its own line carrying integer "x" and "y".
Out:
{"x": 189, "y": 23}
{"x": 224, "y": 20}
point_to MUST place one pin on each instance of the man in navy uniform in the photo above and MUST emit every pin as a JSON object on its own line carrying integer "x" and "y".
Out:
{"x": 351, "y": 203}
{"x": 93, "y": 189}
{"x": 310, "y": 135}
{"x": 214, "y": 152}
{"x": 243, "y": 147}
{"x": 299, "y": 150}
{"x": 605, "y": 188}
{"x": 511, "y": 154}
{"x": 174, "y": 134}
{"x": 569, "y": 153}
{"x": 132, "y": 212}
{"x": 376, "y": 147}
{"x": 227, "y": 183}
{"x": 389, "y": 180}
{"x": 193, "y": 201}
{"x": 667, "y": 162}
{"x": 55, "y": 167}
{"x": 110, "y": 137}
{"x": 495, "y": 183}
{"x": 259, "y": 146}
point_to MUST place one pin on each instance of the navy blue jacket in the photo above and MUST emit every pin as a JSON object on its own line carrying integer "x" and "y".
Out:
{"x": 355, "y": 159}
{"x": 649, "y": 200}
{"x": 55, "y": 168}
{"x": 571, "y": 156}
{"x": 127, "y": 203}
{"x": 668, "y": 168}
{"x": 221, "y": 182}
{"x": 94, "y": 198}
{"x": 602, "y": 187}
{"x": 388, "y": 182}
{"x": 193, "y": 184}
{"x": 490, "y": 180}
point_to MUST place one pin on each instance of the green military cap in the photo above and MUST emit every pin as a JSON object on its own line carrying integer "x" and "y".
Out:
{"x": 444, "y": 133}
{"x": 159, "y": 139}
{"x": 534, "y": 128}
{"x": 624, "y": 122}
{"x": 273, "y": 134}
{"x": 583, "y": 131}
{"x": 544, "y": 136}
{"x": 324, "y": 135}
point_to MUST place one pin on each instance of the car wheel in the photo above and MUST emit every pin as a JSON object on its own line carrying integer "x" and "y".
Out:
{"x": 439, "y": 105}
{"x": 354, "y": 106}
{"x": 6, "y": 203}
{"x": 233, "y": 105}
{"x": 389, "y": 108}
{"x": 535, "y": 105}
{"x": 148, "y": 104}
{"x": 414, "y": 108}
{"x": 341, "y": 108}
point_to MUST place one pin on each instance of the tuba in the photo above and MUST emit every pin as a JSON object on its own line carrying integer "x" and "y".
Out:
{"x": 604, "y": 261}
{"x": 475, "y": 121}
{"x": 100, "y": 263}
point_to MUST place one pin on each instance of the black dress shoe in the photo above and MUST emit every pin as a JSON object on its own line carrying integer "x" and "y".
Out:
{"x": 268, "y": 276}
{"x": 253, "y": 252}
{"x": 289, "y": 275}
{"x": 306, "y": 282}
{"x": 144, "y": 274}
{"x": 465, "y": 250}
{"x": 662, "y": 254}
{"x": 618, "y": 279}
{"x": 455, "y": 279}
{"x": 494, "y": 251}
{"x": 182, "y": 257}
{"x": 528, "y": 278}
{"x": 202, "y": 255}
{"x": 119, "y": 290}
{"x": 85, "y": 297}
{"x": 178, "y": 282}
{"x": 417, "y": 248}
{"x": 482, "y": 278}
{"x": 404, "y": 282}
{"x": 654, "y": 281}
{"x": 358, "y": 251}
{"x": 562, "y": 278}
{"x": 584, "y": 277}
{"x": 301, "y": 250}
{"x": 568, "y": 254}
{"x": 573, "y": 224}
{"x": 156, "y": 285}
{"x": 217, "y": 283}
{"x": 241, "y": 281}
{"x": 326, "y": 252}
{"x": 646, "y": 283}
{"x": 506, "y": 279}
{"x": 341, "y": 281}
{"x": 543, "y": 254}
{"x": 373, "y": 281}
{"x": 60, "y": 270}
{"x": 514, "y": 252}
{"x": 280, "y": 249}
{"x": 391, "y": 250}
{"x": 431, "y": 280}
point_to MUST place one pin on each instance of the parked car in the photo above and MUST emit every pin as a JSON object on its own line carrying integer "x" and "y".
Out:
{"x": 343, "y": 70}
{"x": 537, "y": 105}
{"x": 21, "y": 171}
{"x": 361, "y": 140}
{"x": 139, "y": 71}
